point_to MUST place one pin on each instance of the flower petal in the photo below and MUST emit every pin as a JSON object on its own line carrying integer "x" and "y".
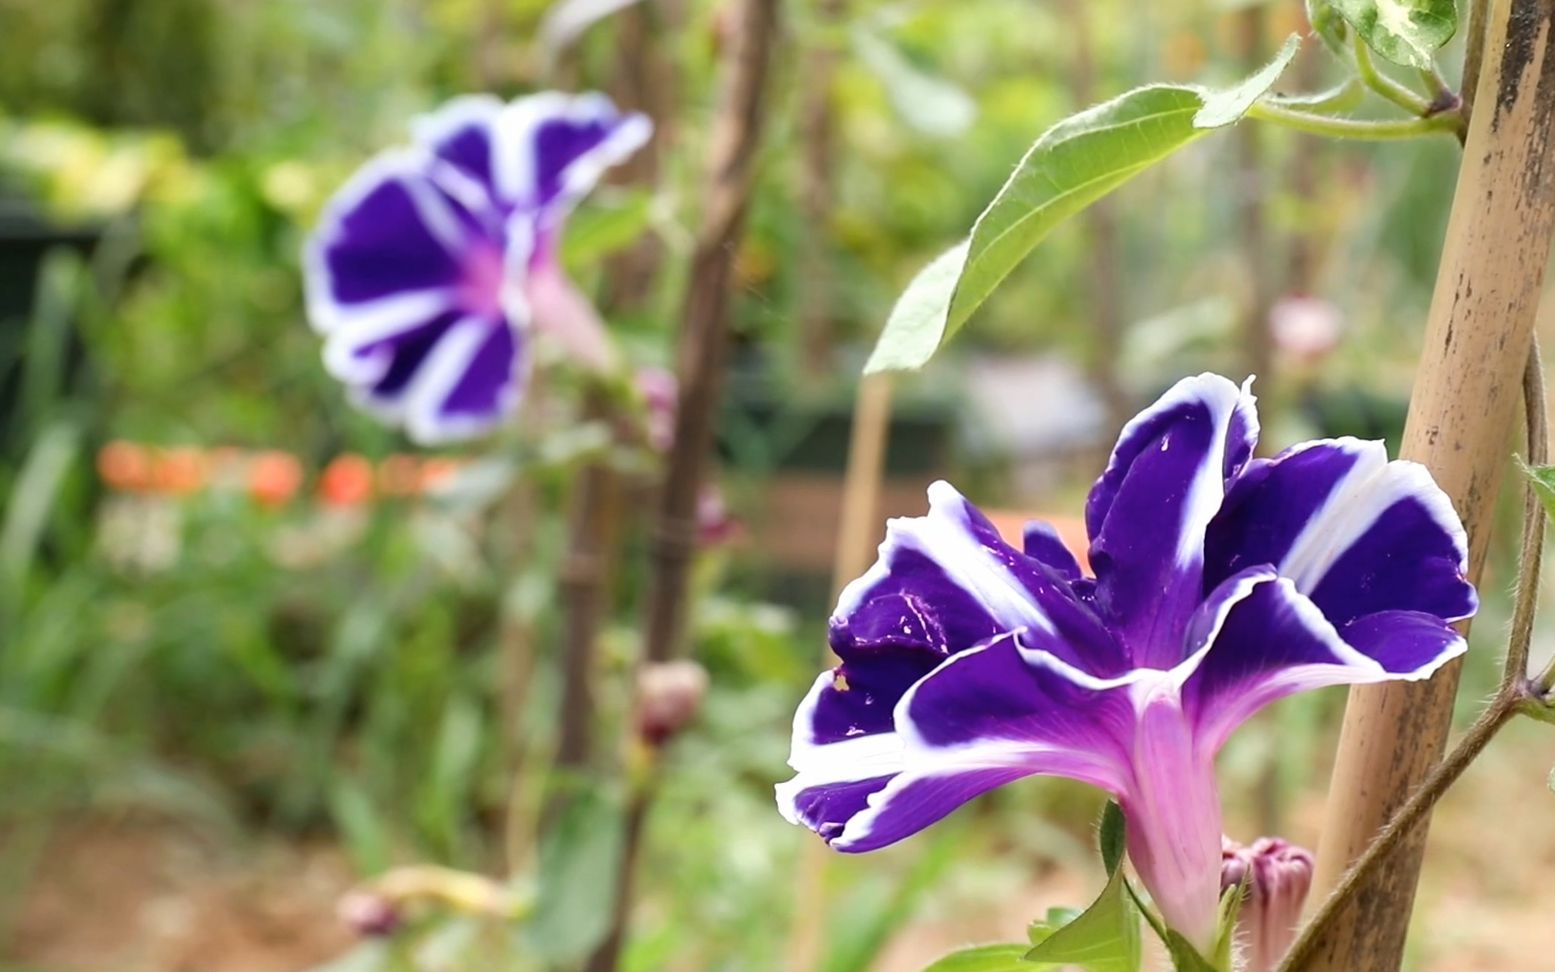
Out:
{"x": 468, "y": 382}
{"x": 1147, "y": 513}
{"x": 1042, "y": 542}
{"x": 562, "y": 312}
{"x": 1272, "y": 641}
{"x": 389, "y": 245}
{"x": 553, "y": 148}
{"x": 983, "y": 718}
{"x": 1356, "y": 533}
{"x": 949, "y": 581}
{"x": 461, "y": 133}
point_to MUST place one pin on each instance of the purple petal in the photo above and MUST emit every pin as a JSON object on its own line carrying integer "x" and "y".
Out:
{"x": 554, "y": 148}
{"x": 467, "y": 383}
{"x": 1272, "y": 641}
{"x": 389, "y": 235}
{"x": 1147, "y": 513}
{"x": 1042, "y": 542}
{"x": 985, "y": 717}
{"x": 1356, "y": 533}
{"x": 948, "y": 581}
{"x": 462, "y": 134}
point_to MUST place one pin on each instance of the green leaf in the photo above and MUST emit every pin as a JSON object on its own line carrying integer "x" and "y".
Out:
{"x": 1112, "y": 837}
{"x": 1186, "y": 958}
{"x": 1073, "y": 164}
{"x": 929, "y": 104}
{"x": 1403, "y": 31}
{"x": 1542, "y": 479}
{"x": 1328, "y": 25}
{"x": 1105, "y": 938}
{"x": 985, "y": 958}
{"x": 579, "y": 861}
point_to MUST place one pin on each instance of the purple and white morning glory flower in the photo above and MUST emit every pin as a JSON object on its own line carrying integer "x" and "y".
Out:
{"x": 431, "y": 269}
{"x": 1221, "y": 583}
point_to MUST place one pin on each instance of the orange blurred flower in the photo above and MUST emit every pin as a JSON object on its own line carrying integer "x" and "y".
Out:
{"x": 347, "y": 481}
{"x": 273, "y": 477}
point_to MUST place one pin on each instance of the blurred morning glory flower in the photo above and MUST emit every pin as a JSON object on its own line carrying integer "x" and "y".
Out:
{"x": 432, "y": 267}
{"x": 1221, "y": 583}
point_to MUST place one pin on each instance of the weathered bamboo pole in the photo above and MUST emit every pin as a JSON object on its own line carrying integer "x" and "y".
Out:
{"x": 858, "y": 531}
{"x": 1461, "y": 414}
{"x": 817, "y": 189}
{"x": 703, "y": 341}
{"x": 704, "y": 321}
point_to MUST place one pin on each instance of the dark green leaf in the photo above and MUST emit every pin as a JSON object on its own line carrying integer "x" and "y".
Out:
{"x": 1105, "y": 938}
{"x": 1403, "y": 31}
{"x": 1073, "y": 164}
{"x": 1112, "y": 837}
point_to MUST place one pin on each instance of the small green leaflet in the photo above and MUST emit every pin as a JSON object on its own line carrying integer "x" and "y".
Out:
{"x": 1104, "y": 938}
{"x": 1073, "y": 164}
{"x": 1111, "y": 837}
{"x": 1542, "y": 479}
{"x": 1403, "y": 31}
{"x": 1328, "y": 25}
{"x": 1186, "y": 958}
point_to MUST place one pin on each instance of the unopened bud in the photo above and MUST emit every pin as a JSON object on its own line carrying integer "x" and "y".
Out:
{"x": 369, "y": 914}
{"x": 1277, "y": 876}
{"x": 668, "y": 697}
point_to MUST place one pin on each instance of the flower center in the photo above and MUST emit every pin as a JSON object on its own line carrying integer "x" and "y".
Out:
{"x": 480, "y": 292}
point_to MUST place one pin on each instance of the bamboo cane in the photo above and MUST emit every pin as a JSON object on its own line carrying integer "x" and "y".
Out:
{"x": 1463, "y": 408}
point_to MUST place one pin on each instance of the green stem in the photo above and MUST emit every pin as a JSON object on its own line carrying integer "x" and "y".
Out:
{"x": 1401, "y": 95}
{"x": 1375, "y": 131}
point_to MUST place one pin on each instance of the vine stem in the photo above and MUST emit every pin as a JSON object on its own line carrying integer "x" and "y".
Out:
{"x": 1401, "y": 95}
{"x": 1449, "y": 123}
{"x": 1511, "y": 694}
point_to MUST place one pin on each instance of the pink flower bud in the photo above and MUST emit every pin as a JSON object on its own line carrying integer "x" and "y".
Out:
{"x": 370, "y": 915}
{"x": 1277, "y": 876}
{"x": 668, "y": 697}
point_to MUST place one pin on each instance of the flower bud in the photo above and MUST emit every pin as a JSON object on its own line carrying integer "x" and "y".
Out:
{"x": 369, "y": 914}
{"x": 668, "y": 697}
{"x": 1277, "y": 876}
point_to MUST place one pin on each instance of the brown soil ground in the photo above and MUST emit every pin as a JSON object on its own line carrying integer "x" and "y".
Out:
{"x": 139, "y": 897}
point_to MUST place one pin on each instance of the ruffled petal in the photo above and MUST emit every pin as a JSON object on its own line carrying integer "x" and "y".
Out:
{"x": 462, "y": 134}
{"x": 1042, "y": 542}
{"x": 985, "y": 717}
{"x": 553, "y": 148}
{"x": 388, "y": 253}
{"x": 1148, "y": 512}
{"x": 1356, "y": 533}
{"x": 1267, "y": 640}
{"x": 949, "y": 581}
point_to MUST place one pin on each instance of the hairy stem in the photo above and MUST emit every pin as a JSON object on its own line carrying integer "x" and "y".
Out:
{"x": 1511, "y": 695}
{"x": 1400, "y": 827}
{"x": 1400, "y": 94}
{"x": 1376, "y": 131}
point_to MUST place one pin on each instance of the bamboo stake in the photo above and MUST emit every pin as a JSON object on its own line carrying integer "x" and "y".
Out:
{"x": 1465, "y": 401}
{"x": 858, "y": 531}
{"x": 704, "y": 336}
{"x": 817, "y": 159}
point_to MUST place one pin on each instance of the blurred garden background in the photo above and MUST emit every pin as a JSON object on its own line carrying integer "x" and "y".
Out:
{"x": 256, "y": 649}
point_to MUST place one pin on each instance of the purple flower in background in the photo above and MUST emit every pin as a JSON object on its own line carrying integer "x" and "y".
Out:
{"x": 1222, "y": 583}
{"x": 428, "y": 269}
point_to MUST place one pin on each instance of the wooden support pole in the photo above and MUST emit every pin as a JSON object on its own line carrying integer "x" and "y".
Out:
{"x": 1461, "y": 415}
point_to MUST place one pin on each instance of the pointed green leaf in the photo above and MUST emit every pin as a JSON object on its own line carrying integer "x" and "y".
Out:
{"x": 1105, "y": 938}
{"x": 1542, "y": 479}
{"x": 985, "y": 958}
{"x": 1111, "y": 837}
{"x": 1403, "y": 31}
{"x": 1186, "y": 958}
{"x": 1073, "y": 164}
